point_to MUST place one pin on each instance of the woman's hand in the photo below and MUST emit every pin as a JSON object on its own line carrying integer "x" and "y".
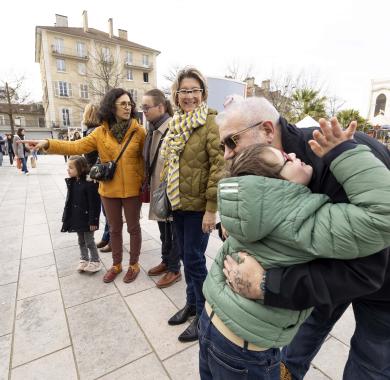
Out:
{"x": 208, "y": 222}
{"x": 36, "y": 144}
{"x": 331, "y": 136}
{"x": 244, "y": 277}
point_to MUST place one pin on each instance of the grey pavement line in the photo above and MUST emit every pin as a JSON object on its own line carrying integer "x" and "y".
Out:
{"x": 334, "y": 337}
{"x": 93, "y": 300}
{"x": 9, "y": 283}
{"x": 60, "y": 290}
{"x": 319, "y": 370}
{"x": 39, "y": 294}
{"x": 187, "y": 347}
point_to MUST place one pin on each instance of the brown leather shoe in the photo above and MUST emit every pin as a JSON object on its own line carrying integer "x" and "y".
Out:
{"x": 101, "y": 244}
{"x": 107, "y": 248}
{"x": 131, "y": 274}
{"x": 157, "y": 270}
{"x": 168, "y": 279}
{"x": 112, "y": 273}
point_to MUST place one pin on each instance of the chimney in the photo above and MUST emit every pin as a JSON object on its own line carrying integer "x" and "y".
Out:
{"x": 85, "y": 21}
{"x": 110, "y": 28}
{"x": 122, "y": 34}
{"x": 61, "y": 21}
{"x": 266, "y": 85}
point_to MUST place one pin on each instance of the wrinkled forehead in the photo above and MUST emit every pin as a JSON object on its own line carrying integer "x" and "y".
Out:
{"x": 231, "y": 125}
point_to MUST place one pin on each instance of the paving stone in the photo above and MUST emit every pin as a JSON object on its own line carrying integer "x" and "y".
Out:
{"x": 332, "y": 358}
{"x": 107, "y": 342}
{"x": 149, "y": 245}
{"x": 37, "y": 281}
{"x": 9, "y": 271}
{"x": 59, "y": 365}
{"x": 184, "y": 365}
{"x": 150, "y": 259}
{"x": 35, "y": 218}
{"x": 63, "y": 240}
{"x": 40, "y": 327}
{"x": 36, "y": 245}
{"x": 7, "y": 308}
{"x": 177, "y": 292}
{"x": 213, "y": 247}
{"x": 5, "y": 351}
{"x": 163, "y": 337}
{"x": 142, "y": 282}
{"x": 316, "y": 374}
{"x": 37, "y": 262}
{"x": 67, "y": 260}
{"x": 36, "y": 229}
{"x": 345, "y": 326}
{"x": 146, "y": 368}
{"x": 82, "y": 287}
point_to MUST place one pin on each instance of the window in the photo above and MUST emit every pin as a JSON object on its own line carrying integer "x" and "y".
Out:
{"x": 129, "y": 57}
{"x": 146, "y": 77}
{"x": 129, "y": 74}
{"x": 133, "y": 94}
{"x": 59, "y": 45}
{"x": 63, "y": 89}
{"x": 380, "y": 104}
{"x": 61, "y": 65}
{"x": 84, "y": 91}
{"x": 2, "y": 120}
{"x": 81, "y": 50}
{"x": 20, "y": 121}
{"x": 65, "y": 117}
{"x": 82, "y": 68}
{"x": 145, "y": 60}
{"x": 106, "y": 54}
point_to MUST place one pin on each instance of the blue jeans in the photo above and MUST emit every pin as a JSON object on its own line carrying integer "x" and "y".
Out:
{"x": 220, "y": 359}
{"x": 24, "y": 164}
{"x": 369, "y": 355}
{"x": 191, "y": 245}
{"x": 169, "y": 253}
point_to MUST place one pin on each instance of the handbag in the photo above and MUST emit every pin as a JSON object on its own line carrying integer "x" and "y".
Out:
{"x": 160, "y": 204}
{"x": 105, "y": 171}
{"x": 144, "y": 194}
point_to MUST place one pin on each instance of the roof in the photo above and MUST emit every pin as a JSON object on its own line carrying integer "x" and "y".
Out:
{"x": 97, "y": 35}
{"x": 307, "y": 122}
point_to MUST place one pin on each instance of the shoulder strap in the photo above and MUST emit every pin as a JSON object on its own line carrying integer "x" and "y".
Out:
{"x": 124, "y": 148}
{"x": 157, "y": 151}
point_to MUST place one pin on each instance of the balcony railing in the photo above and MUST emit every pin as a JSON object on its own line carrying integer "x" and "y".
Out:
{"x": 69, "y": 53}
{"x": 138, "y": 65}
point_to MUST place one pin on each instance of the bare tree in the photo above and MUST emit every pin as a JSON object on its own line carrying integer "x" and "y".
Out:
{"x": 235, "y": 70}
{"x": 11, "y": 92}
{"x": 334, "y": 105}
{"x": 170, "y": 77}
{"x": 104, "y": 71}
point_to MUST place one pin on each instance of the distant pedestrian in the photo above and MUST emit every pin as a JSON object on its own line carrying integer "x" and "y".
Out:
{"x": 21, "y": 150}
{"x": 81, "y": 213}
{"x": 9, "y": 148}
{"x": 2, "y": 149}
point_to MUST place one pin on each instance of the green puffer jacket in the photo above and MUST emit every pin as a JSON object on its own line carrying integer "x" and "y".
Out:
{"x": 201, "y": 165}
{"x": 291, "y": 225}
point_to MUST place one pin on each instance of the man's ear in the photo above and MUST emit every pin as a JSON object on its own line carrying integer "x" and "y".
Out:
{"x": 268, "y": 130}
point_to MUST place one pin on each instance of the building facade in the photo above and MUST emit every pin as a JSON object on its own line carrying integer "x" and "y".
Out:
{"x": 379, "y": 111}
{"x": 78, "y": 65}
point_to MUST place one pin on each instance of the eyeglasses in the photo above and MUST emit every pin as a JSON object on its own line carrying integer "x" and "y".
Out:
{"x": 124, "y": 104}
{"x": 146, "y": 108}
{"x": 287, "y": 158}
{"x": 194, "y": 91}
{"x": 232, "y": 141}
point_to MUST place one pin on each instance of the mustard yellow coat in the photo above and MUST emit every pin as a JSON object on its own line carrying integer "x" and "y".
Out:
{"x": 129, "y": 171}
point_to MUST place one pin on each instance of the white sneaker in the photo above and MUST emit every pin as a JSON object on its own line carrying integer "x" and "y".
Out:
{"x": 82, "y": 265}
{"x": 93, "y": 266}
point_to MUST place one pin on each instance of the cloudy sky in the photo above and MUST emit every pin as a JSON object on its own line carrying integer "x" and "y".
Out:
{"x": 343, "y": 44}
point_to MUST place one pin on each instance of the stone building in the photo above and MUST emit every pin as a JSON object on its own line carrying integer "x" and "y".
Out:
{"x": 379, "y": 111}
{"x": 78, "y": 64}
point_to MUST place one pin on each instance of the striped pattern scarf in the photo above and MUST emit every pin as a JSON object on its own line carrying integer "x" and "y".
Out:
{"x": 180, "y": 129}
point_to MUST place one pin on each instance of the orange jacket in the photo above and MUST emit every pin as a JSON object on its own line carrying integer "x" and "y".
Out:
{"x": 129, "y": 171}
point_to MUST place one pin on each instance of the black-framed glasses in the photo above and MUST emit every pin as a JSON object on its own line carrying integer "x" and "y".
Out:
{"x": 146, "y": 108}
{"x": 232, "y": 140}
{"x": 193, "y": 91}
{"x": 286, "y": 158}
{"x": 124, "y": 104}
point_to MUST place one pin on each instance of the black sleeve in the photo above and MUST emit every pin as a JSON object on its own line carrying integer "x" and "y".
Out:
{"x": 94, "y": 203}
{"x": 325, "y": 281}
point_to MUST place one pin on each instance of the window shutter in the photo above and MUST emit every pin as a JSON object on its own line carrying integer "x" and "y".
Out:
{"x": 56, "y": 88}
{"x": 70, "y": 89}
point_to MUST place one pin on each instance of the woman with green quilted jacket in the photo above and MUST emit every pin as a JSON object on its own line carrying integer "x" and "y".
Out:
{"x": 270, "y": 214}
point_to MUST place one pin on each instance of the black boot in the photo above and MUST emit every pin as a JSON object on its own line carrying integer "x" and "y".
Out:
{"x": 190, "y": 334}
{"x": 182, "y": 315}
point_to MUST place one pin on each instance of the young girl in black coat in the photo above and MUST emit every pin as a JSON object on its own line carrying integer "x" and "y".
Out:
{"x": 82, "y": 211}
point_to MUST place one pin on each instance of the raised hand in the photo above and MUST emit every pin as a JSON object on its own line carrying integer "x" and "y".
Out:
{"x": 36, "y": 144}
{"x": 330, "y": 136}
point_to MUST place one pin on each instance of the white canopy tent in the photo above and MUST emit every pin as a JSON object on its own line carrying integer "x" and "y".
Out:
{"x": 307, "y": 122}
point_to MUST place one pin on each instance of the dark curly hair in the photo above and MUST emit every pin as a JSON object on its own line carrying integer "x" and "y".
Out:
{"x": 107, "y": 105}
{"x": 81, "y": 165}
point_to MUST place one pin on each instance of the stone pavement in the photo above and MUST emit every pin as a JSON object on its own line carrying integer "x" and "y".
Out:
{"x": 58, "y": 324}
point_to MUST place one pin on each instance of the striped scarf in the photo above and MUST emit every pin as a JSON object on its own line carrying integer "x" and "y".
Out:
{"x": 180, "y": 129}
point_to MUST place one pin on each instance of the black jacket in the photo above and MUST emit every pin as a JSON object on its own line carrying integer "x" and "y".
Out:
{"x": 91, "y": 157}
{"x": 328, "y": 281}
{"x": 82, "y": 206}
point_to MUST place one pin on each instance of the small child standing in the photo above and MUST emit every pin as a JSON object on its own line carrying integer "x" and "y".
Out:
{"x": 81, "y": 212}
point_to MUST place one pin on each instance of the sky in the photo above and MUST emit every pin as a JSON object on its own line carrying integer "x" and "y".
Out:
{"x": 342, "y": 44}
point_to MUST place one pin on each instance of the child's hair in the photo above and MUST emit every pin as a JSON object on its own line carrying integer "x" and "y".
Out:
{"x": 255, "y": 160}
{"x": 81, "y": 165}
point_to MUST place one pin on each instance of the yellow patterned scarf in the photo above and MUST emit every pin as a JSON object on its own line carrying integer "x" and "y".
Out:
{"x": 180, "y": 129}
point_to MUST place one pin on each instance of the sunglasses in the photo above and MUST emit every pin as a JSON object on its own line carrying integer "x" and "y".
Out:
{"x": 232, "y": 140}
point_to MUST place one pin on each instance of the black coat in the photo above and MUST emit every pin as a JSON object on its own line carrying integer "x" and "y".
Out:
{"x": 82, "y": 206}
{"x": 329, "y": 281}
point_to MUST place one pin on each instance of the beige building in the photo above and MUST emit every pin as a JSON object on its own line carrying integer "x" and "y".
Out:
{"x": 79, "y": 64}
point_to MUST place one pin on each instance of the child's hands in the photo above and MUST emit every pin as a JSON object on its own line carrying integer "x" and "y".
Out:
{"x": 93, "y": 228}
{"x": 331, "y": 136}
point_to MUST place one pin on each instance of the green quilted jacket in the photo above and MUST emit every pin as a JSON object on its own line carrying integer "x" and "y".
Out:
{"x": 201, "y": 166}
{"x": 281, "y": 223}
